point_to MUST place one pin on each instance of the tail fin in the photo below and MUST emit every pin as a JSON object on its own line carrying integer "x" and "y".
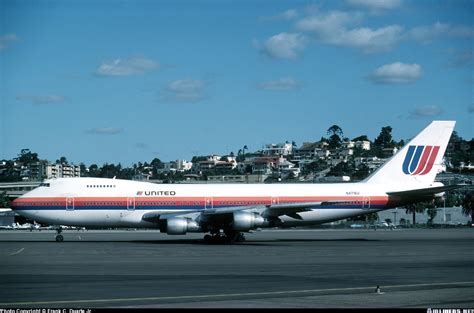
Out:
{"x": 419, "y": 160}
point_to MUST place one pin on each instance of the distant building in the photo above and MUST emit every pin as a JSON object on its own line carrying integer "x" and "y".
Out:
{"x": 444, "y": 216}
{"x": 62, "y": 170}
{"x": 280, "y": 149}
{"x": 176, "y": 166}
{"x": 371, "y": 162}
{"x": 286, "y": 168}
{"x": 362, "y": 144}
{"x": 388, "y": 152}
{"x": 264, "y": 165}
{"x": 237, "y": 178}
{"x": 312, "y": 151}
{"x": 45, "y": 170}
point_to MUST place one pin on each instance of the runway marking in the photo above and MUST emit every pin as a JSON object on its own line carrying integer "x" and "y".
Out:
{"x": 17, "y": 252}
{"x": 269, "y": 293}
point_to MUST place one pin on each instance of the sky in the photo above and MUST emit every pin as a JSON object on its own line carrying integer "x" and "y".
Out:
{"x": 128, "y": 81}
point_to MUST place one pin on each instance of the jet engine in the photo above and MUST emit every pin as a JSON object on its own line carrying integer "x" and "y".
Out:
{"x": 180, "y": 226}
{"x": 245, "y": 221}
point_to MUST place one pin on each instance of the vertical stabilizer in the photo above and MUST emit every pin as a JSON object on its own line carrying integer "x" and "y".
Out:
{"x": 419, "y": 160}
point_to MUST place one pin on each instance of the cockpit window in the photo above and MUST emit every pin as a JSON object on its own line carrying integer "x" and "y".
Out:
{"x": 44, "y": 185}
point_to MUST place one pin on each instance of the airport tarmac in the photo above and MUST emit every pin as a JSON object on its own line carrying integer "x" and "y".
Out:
{"x": 428, "y": 268}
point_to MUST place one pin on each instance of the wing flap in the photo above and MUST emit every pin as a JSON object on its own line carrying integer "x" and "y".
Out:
{"x": 155, "y": 216}
{"x": 291, "y": 209}
{"x": 424, "y": 191}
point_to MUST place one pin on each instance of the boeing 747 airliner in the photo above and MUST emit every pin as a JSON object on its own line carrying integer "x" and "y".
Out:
{"x": 225, "y": 211}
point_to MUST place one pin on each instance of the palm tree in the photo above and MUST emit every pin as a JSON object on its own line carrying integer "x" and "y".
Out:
{"x": 468, "y": 205}
{"x": 414, "y": 208}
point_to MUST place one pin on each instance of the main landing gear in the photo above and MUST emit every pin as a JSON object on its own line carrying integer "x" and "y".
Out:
{"x": 59, "y": 237}
{"x": 224, "y": 237}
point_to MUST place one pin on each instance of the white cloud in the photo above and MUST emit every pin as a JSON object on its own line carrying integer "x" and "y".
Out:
{"x": 396, "y": 73}
{"x": 282, "y": 84}
{"x": 326, "y": 26}
{"x": 333, "y": 28}
{"x": 372, "y": 40}
{"x": 284, "y": 46}
{"x": 431, "y": 32}
{"x": 288, "y": 15}
{"x": 127, "y": 67}
{"x": 185, "y": 90}
{"x": 426, "y": 111}
{"x": 36, "y": 99}
{"x": 375, "y": 5}
{"x": 5, "y": 40}
{"x": 105, "y": 131}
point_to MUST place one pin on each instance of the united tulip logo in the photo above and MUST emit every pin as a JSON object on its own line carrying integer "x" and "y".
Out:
{"x": 420, "y": 159}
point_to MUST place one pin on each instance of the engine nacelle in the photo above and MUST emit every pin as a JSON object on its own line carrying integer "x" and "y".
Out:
{"x": 245, "y": 221}
{"x": 181, "y": 225}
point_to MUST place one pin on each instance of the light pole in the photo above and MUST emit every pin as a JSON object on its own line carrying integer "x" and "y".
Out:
{"x": 444, "y": 210}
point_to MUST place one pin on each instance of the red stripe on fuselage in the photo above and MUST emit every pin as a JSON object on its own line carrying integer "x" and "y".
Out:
{"x": 187, "y": 201}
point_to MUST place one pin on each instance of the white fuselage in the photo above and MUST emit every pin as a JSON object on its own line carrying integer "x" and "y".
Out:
{"x": 101, "y": 202}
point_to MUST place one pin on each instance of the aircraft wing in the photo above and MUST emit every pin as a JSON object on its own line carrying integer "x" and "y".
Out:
{"x": 291, "y": 209}
{"x": 155, "y": 216}
{"x": 273, "y": 210}
{"x": 424, "y": 192}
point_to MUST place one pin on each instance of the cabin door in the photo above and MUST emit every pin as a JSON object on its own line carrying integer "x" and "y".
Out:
{"x": 70, "y": 204}
{"x": 130, "y": 204}
{"x": 366, "y": 202}
{"x": 208, "y": 203}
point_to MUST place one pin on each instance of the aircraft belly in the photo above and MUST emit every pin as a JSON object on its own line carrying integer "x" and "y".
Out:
{"x": 319, "y": 216}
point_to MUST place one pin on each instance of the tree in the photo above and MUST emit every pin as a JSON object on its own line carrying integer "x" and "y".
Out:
{"x": 315, "y": 166}
{"x": 4, "y": 201}
{"x": 335, "y": 133}
{"x": 414, "y": 208}
{"x": 431, "y": 214}
{"x": 342, "y": 168}
{"x": 197, "y": 159}
{"x": 241, "y": 154}
{"x": 361, "y": 138}
{"x": 27, "y": 157}
{"x": 62, "y": 160}
{"x": 93, "y": 170}
{"x": 384, "y": 140}
{"x": 468, "y": 205}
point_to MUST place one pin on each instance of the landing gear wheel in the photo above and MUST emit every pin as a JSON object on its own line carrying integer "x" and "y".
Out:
{"x": 59, "y": 238}
{"x": 207, "y": 238}
{"x": 240, "y": 237}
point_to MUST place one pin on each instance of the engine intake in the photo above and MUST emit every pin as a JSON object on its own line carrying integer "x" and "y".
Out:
{"x": 245, "y": 221}
{"x": 181, "y": 225}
